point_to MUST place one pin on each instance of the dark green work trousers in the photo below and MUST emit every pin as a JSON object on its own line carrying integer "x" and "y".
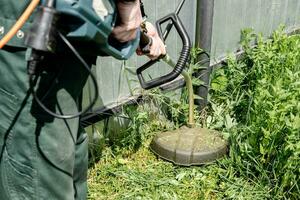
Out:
{"x": 41, "y": 157}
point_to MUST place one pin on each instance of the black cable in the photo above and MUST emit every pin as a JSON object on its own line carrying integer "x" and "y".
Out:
{"x": 37, "y": 135}
{"x": 9, "y": 130}
{"x": 205, "y": 53}
{"x": 144, "y": 16}
{"x": 86, "y": 66}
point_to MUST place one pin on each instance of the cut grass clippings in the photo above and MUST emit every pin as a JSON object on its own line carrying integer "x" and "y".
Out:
{"x": 142, "y": 176}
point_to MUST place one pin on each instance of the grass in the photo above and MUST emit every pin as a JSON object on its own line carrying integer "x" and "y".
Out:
{"x": 254, "y": 101}
{"x": 129, "y": 173}
{"x": 142, "y": 176}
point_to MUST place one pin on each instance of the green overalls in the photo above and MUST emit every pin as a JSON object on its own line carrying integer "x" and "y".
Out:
{"x": 41, "y": 157}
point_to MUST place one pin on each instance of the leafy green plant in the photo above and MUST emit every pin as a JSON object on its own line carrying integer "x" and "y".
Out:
{"x": 261, "y": 92}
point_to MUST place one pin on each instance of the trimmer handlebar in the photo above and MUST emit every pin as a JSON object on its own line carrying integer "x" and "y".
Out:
{"x": 181, "y": 63}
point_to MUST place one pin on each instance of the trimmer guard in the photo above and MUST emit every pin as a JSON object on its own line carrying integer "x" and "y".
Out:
{"x": 189, "y": 146}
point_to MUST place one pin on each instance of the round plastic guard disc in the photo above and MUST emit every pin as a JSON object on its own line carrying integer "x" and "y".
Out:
{"x": 189, "y": 146}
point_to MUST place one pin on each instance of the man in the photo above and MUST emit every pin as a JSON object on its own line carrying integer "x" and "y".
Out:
{"x": 42, "y": 157}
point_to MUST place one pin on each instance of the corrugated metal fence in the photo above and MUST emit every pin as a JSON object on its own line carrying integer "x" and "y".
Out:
{"x": 117, "y": 80}
{"x": 264, "y": 16}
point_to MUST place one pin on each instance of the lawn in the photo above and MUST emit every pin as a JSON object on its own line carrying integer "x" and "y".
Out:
{"x": 253, "y": 101}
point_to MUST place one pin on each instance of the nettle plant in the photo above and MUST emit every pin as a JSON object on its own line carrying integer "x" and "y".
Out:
{"x": 260, "y": 95}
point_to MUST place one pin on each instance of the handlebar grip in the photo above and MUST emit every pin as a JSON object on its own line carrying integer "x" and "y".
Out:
{"x": 145, "y": 43}
{"x": 184, "y": 55}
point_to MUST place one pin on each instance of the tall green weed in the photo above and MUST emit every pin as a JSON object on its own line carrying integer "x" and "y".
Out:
{"x": 258, "y": 98}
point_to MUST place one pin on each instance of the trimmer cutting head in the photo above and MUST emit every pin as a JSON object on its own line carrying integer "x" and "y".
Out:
{"x": 189, "y": 146}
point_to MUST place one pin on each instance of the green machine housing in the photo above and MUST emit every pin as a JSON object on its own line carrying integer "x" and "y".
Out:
{"x": 90, "y": 30}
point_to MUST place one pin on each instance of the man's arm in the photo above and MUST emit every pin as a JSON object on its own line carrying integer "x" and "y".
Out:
{"x": 130, "y": 21}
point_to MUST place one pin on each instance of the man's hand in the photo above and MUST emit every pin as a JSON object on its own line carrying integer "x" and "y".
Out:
{"x": 130, "y": 20}
{"x": 157, "y": 47}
